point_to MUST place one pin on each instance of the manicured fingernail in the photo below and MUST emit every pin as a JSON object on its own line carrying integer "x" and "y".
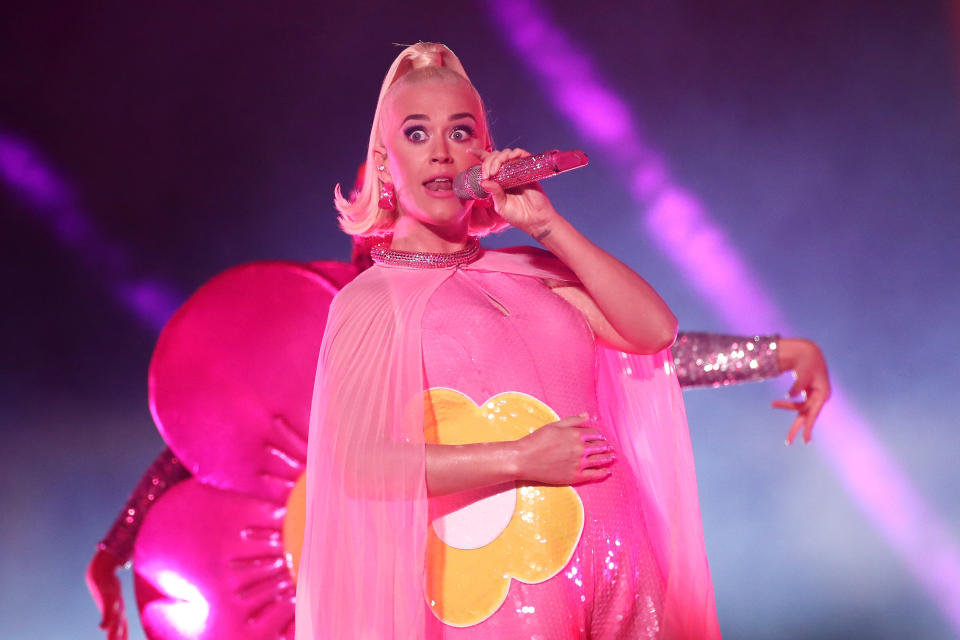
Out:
{"x": 786, "y": 442}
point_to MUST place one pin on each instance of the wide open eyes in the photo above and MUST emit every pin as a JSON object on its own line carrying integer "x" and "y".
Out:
{"x": 415, "y": 134}
{"x": 462, "y": 133}
{"x": 459, "y": 133}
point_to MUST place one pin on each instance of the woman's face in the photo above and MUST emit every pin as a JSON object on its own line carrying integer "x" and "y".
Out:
{"x": 427, "y": 129}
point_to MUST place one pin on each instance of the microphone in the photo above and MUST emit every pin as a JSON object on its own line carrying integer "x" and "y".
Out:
{"x": 518, "y": 171}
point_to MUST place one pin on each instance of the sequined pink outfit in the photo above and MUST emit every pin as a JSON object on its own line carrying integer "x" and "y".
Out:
{"x": 363, "y": 565}
{"x": 485, "y": 333}
{"x": 702, "y": 360}
{"x": 201, "y": 533}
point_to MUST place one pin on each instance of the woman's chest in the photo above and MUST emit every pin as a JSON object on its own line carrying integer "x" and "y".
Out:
{"x": 485, "y": 333}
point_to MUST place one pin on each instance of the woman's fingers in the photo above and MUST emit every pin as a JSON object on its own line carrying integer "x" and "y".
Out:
{"x": 497, "y": 159}
{"x": 566, "y": 452}
{"x": 807, "y": 414}
{"x": 597, "y": 449}
{"x": 795, "y": 388}
{"x": 491, "y": 161}
{"x": 572, "y": 421}
{"x": 789, "y": 405}
{"x": 593, "y": 475}
{"x": 589, "y": 434}
{"x": 599, "y": 460}
{"x": 485, "y": 160}
{"x": 815, "y": 404}
{"x": 798, "y": 423}
{"x": 497, "y": 194}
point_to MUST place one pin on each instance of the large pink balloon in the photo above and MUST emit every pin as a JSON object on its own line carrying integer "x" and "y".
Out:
{"x": 232, "y": 374}
{"x": 230, "y": 385}
{"x": 210, "y": 565}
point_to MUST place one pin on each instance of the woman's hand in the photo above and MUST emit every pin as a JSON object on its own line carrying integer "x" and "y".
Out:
{"x": 565, "y": 452}
{"x": 804, "y": 358}
{"x": 527, "y": 207}
{"x": 104, "y": 586}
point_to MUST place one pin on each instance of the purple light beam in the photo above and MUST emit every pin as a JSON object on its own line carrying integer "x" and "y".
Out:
{"x": 47, "y": 196}
{"x": 702, "y": 251}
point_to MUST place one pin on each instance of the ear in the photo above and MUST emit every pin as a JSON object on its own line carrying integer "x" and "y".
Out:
{"x": 380, "y": 160}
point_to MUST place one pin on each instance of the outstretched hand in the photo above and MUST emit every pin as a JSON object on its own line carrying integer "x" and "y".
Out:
{"x": 105, "y": 588}
{"x": 812, "y": 384}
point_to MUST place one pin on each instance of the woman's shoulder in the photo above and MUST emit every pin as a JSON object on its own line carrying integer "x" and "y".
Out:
{"x": 523, "y": 250}
{"x": 527, "y": 261}
{"x": 368, "y": 283}
{"x": 385, "y": 288}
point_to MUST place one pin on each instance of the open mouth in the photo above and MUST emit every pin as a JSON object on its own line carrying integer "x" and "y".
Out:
{"x": 439, "y": 184}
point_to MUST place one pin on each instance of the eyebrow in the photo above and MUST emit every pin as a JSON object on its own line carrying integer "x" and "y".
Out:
{"x": 423, "y": 116}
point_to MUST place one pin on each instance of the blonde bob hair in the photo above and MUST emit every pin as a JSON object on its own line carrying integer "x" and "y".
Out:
{"x": 361, "y": 215}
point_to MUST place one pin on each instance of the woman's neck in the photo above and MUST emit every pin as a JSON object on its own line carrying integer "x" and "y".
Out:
{"x": 410, "y": 234}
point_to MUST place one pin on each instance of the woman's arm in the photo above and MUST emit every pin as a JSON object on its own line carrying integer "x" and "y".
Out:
{"x": 709, "y": 359}
{"x": 565, "y": 452}
{"x": 718, "y": 360}
{"x": 622, "y": 307}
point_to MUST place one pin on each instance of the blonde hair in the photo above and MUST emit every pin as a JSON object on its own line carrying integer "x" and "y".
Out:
{"x": 361, "y": 215}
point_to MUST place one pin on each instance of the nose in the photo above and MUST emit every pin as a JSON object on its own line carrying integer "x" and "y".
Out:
{"x": 440, "y": 154}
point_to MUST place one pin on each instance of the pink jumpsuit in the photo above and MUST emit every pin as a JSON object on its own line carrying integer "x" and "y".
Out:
{"x": 485, "y": 333}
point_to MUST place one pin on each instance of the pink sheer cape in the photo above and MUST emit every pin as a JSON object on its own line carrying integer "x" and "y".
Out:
{"x": 361, "y": 572}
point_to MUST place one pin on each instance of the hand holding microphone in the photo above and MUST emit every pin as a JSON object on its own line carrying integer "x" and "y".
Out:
{"x": 529, "y": 209}
{"x": 517, "y": 172}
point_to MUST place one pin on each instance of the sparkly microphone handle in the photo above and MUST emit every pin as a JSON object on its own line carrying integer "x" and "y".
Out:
{"x": 517, "y": 172}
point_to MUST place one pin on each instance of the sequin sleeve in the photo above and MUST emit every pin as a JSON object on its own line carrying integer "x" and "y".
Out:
{"x": 162, "y": 474}
{"x": 716, "y": 360}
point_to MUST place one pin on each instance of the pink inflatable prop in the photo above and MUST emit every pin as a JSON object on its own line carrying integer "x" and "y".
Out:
{"x": 230, "y": 385}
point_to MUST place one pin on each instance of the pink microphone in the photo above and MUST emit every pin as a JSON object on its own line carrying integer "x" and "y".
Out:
{"x": 518, "y": 172}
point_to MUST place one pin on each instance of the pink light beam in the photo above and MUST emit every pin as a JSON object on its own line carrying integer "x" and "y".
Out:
{"x": 703, "y": 252}
{"x": 47, "y": 196}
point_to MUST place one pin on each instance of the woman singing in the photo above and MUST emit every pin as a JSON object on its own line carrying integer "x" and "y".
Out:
{"x": 490, "y": 454}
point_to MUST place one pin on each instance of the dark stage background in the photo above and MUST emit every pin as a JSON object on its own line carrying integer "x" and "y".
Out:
{"x": 163, "y": 143}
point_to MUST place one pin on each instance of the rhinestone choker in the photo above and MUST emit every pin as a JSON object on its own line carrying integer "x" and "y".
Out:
{"x": 381, "y": 254}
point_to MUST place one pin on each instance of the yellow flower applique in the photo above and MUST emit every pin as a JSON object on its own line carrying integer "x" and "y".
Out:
{"x": 478, "y": 542}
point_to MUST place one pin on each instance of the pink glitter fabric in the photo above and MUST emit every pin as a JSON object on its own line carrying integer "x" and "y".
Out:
{"x": 363, "y": 571}
{"x": 702, "y": 359}
{"x": 716, "y": 360}
{"x": 486, "y": 333}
